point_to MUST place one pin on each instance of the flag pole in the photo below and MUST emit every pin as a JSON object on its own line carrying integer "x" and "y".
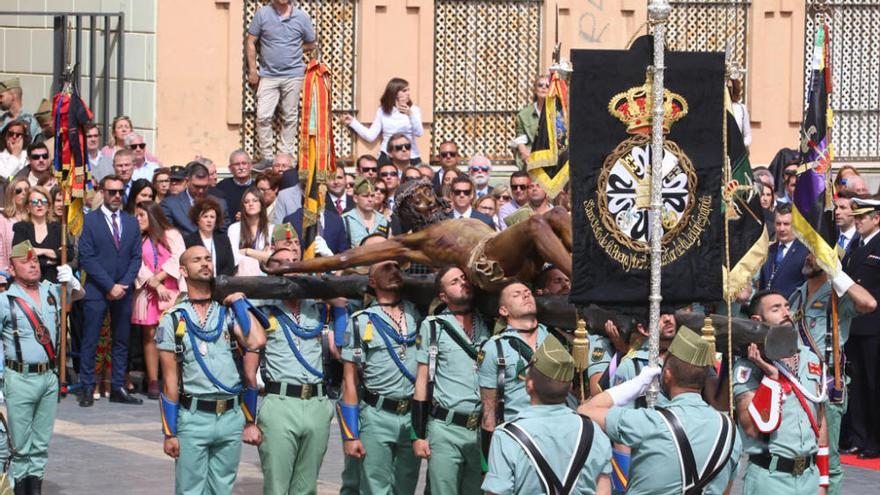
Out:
{"x": 658, "y": 13}
{"x": 65, "y": 194}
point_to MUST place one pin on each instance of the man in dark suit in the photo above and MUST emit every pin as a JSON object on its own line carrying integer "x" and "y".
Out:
{"x": 110, "y": 253}
{"x": 862, "y": 263}
{"x": 462, "y": 201}
{"x": 331, "y": 228}
{"x": 176, "y": 207}
{"x": 785, "y": 261}
{"x": 336, "y": 197}
{"x": 448, "y": 157}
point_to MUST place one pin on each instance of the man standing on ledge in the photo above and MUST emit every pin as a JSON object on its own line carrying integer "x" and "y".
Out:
{"x": 285, "y": 33}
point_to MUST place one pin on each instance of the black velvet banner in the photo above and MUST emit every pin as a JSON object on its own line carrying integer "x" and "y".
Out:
{"x": 610, "y": 176}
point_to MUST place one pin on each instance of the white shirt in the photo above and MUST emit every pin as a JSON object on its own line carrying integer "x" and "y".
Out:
{"x": 848, "y": 236}
{"x": 465, "y": 214}
{"x": 108, "y": 216}
{"x": 482, "y": 192}
{"x": 343, "y": 200}
{"x": 234, "y": 234}
{"x": 785, "y": 246}
{"x": 145, "y": 171}
{"x": 209, "y": 245}
{"x": 389, "y": 125}
{"x": 10, "y": 164}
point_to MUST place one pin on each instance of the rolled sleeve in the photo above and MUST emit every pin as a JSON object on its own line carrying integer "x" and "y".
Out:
{"x": 165, "y": 333}
{"x": 499, "y": 479}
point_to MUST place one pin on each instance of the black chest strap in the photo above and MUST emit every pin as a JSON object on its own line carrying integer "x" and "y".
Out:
{"x": 694, "y": 481}
{"x": 500, "y": 382}
{"x": 549, "y": 480}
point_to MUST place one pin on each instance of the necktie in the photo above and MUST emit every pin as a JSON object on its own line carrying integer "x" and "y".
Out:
{"x": 339, "y": 205}
{"x": 115, "y": 229}
{"x": 780, "y": 254}
{"x": 841, "y": 241}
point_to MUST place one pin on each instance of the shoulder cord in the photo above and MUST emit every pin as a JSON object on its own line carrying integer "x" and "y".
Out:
{"x": 191, "y": 330}
{"x": 384, "y": 332}
{"x": 288, "y": 325}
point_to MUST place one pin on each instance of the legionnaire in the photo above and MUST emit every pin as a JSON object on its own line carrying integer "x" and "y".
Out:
{"x": 29, "y": 315}
{"x": 363, "y": 220}
{"x": 812, "y": 307}
{"x": 684, "y": 447}
{"x": 780, "y": 410}
{"x": 380, "y": 355}
{"x": 605, "y": 355}
{"x": 284, "y": 237}
{"x": 549, "y": 448}
{"x": 293, "y": 424}
{"x": 198, "y": 345}
{"x": 446, "y": 388}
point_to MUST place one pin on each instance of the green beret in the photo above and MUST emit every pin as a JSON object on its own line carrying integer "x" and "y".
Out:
{"x": 362, "y": 185}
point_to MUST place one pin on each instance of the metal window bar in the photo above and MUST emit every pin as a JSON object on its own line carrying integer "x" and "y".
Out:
{"x": 98, "y": 22}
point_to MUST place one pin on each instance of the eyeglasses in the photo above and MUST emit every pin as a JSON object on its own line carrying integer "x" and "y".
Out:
{"x": 388, "y": 174}
{"x": 519, "y": 187}
{"x": 138, "y": 146}
{"x": 504, "y": 197}
{"x": 39, "y": 156}
{"x": 19, "y": 190}
{"x": 481, "y": 168}
{"x": 114, "y": 192}
{"x": 367, "y": 170}
{"x": 543, "y": 85}
{"x": 14, "y": 134}
{"x": 401, "y": 147}
{"x": 462, "y": 192}
{"x": 448, "y": 154}
{"x": 39, "y": 202}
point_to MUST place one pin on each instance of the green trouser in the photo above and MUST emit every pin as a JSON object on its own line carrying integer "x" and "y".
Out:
{"x": 454, "y": 466}
{"x": 351, "y": 476}
{"x": 31, "y": 403}
{"x": 833, "y": 416}
{"x": 295, "y": 435}
{"x": 389, "y": 466}
{"x": 759, "y": 481}
{"x": 210, "y": 449}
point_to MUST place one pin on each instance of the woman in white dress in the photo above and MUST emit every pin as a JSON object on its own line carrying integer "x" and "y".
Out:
{"x": 250, "y": 237}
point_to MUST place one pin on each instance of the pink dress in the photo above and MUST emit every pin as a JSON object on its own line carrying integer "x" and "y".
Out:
{"x": 147, "y": 307}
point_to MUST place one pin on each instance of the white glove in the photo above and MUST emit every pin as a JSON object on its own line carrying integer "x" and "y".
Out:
{"x": 841, "y": 282}
{"x": 65, "y": 275}
{"x": 629, "y": 390}
{"x": 321, "y": 247}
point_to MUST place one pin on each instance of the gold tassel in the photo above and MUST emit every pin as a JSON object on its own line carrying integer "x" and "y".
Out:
{"x": 368, "y": 333}
{"x": 708, "y": 333}
{"x": 181, "y": 328}
{"x": 580, "y": 352}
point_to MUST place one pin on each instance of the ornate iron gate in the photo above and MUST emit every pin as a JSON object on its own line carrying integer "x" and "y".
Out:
{"x": 855, "y": 72}
{"x": 710, "y": 25}
{"x": 334, "y": 22}
{"x": 486, "y": 54}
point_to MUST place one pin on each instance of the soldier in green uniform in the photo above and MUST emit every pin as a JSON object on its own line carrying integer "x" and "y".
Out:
{"x": 293, "y": 424}
{"x": 811, "y": 303}
{"x": 380, "y": 356}
{"x": 29, "y": 312}
{"x": 603, "y": 351}
{"x": 363, "y": 220}
{"x": 547, "y": 447}
{"x": 200, "y": 415}
{"x": 684, "y": 447}
{"x": 446, "y": 388}
{"x": 781, "y": 413}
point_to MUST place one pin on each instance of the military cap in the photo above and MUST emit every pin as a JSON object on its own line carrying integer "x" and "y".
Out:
{"x": 9, "y": 84}
{"x": 553, "y": 361}
{"x": 21, "y": 250}
{"x": 177, "y": 173}
{"x": 283, "y": 232}
{"x": 362, "y": 185}
{"x": 689, "y": 347}
{"x": 865, "y": 206}
{"x": 44, "y": 111}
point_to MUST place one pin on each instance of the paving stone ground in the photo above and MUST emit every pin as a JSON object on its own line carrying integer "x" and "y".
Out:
{"x": 117, "y": 449}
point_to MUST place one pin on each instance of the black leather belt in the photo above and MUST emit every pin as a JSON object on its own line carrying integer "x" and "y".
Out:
{"x": 305, "y": 392}
{"x": 208, "y": 405}
{"x": 470, "y": 421}
{"x": 795, "y": 466}
{"x": 399, "y": 407}
{"x": 37, "y": 368}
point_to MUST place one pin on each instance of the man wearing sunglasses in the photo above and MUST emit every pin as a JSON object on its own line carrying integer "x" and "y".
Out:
{"x": 368, "y": 167}
{"x": 37, "y": 167}
{"x": 462, "y": 202}
{"x": 400, "y": 151}
{"x": 143, "y": 168}
{"x": 447, "y": 156}
{"x": 110, "y": 252}
{"x": 519, "y": 194}
{"x": 479, "y": 171}
{"x": 10, "y": 104}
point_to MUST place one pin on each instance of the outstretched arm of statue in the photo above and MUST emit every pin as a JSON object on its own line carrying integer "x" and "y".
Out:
{"x": 369, "y": 254}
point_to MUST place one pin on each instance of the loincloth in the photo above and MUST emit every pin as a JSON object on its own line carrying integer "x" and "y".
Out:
{"x": 484, "y": 272}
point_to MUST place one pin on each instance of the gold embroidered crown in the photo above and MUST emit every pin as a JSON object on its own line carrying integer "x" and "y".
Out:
{"x": 634, "y": 107}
